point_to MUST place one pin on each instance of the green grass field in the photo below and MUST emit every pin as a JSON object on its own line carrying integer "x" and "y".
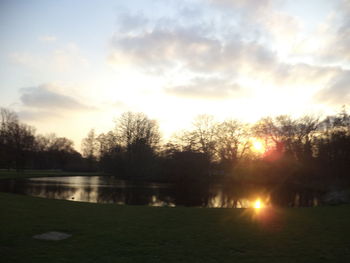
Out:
{"x": 112, "y": 233}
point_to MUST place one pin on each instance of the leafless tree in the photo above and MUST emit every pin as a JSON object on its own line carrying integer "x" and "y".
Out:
{"x": 134, "y": 128}
{"x": 16, "y": 139}
{"x": 89, "y": 145}
{"x": 232, "y": 141}
{"x": 202, "y": 138}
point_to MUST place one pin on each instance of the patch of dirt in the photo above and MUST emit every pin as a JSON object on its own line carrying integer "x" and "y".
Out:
{"x": 53, "y": 235}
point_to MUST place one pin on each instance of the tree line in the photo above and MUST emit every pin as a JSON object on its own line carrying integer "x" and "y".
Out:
{"x": 21, "y": 148}
{"x": 305, "y": 153}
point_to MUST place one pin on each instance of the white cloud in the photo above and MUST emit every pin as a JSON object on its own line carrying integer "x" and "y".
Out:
{"x": 194, "y": 50}
{"x": 46, "y": 97}
{"x": 329, "y": 42}
{"x": 265, "y": 19}
{"x": 338, "y": 90}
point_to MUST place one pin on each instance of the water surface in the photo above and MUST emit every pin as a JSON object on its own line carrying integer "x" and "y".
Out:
{"x": 107, "y": 189}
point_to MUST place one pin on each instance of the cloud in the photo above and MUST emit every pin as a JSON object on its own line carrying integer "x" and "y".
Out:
{"x": 45, "y": 97}
{"x": 129, "y": 22}
{"x": 242, "y": 42}
{"x": 188, "y": 48}
{"x": 263, "y": 17}
{"x": 160, "y": 49}
{"x": 196, "y": 51}
{"x": 225, "y": 43}
{"x": 338, "y": 91}
{"x": 338, "y": 33}
{"x": 207, "y": 47}
{"x": 251, "y": 7}
{"x": 329, "y": 42}
{"x": 206, "y": 88}
{"x": 284, "y": 74}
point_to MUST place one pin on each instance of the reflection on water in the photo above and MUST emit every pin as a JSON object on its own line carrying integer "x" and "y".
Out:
{"x": 94, "y": 189}
{"x": 103, "y": 189}
{"x": 224, "y": 199}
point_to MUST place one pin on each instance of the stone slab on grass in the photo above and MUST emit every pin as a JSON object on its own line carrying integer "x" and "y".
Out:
{"x": 53, "y": 235}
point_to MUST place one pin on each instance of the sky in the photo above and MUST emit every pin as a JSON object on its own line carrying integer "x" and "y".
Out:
{"x": 70, "y": 66}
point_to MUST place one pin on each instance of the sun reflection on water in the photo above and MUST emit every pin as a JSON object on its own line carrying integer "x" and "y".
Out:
{"x": 257, "y": 204}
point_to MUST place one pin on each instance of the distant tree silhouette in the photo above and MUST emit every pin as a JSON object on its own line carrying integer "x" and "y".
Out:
{"x": 57, "y": 153}
{"x": 140, "y": 138}
{"x": 333, "y": 149}
{"x": 232, "y": 143}
{"x": 131, "y": 149}
{"x": 17, "y": 140}
{"x": 136, "y": 128}
{"x": 21, "y": 149}
{"x": 111, "y": 154}
{"x": 89, "y": 146}
{"x": 202, "y": 137}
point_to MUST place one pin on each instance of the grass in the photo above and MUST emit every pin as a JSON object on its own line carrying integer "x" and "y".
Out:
{"x": 112, "y": 233}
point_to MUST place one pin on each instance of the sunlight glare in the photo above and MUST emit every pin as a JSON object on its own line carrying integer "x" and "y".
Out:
{"x": 257, "y": 204}
{"x": 258, "y": 146}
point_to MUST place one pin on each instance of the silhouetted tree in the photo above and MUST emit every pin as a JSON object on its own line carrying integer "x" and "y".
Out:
{"x": 111, "y": 153}
{"x": 202, "y": 137}
{"x": 333, "y": 149}
{"x": 89, "y": 147}
{"x": 139, "y": 136}
{"x": 285, "y": 135}
{"x": 134, "y": 127}
{"x": 54, "y": 152}
{"x": 17, "y": 140}
{"x": 232, "y": 143}
{"x": 189, "y": 171}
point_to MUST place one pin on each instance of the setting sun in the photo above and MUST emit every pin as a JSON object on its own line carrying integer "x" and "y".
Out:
{"x": 257, "y": 204}
{"x": 258, "y": 146}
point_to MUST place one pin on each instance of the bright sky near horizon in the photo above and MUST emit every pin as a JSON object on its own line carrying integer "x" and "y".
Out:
{"x": 69, "y": 66}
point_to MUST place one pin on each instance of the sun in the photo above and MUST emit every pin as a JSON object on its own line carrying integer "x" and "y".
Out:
{"x": 258, "y": 146}
{"x": 257, "y": 204}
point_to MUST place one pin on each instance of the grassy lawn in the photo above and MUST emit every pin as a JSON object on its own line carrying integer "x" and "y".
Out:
{"x": 112, "y": 233}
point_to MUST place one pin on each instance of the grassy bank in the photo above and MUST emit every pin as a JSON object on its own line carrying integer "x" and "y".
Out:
{"x": 111, "y": 233}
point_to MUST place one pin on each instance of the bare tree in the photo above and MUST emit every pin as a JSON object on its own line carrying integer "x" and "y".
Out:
{"x": 232, "y": 141}
{"x": 333, "y": 148}
{"x": 17, "y": 140}
{"x": 138, "y": 138}
{"x": 202, "y": 138}
{"x": 90, "y": 145}
{"x": 134, "y": 128}
{"x": 106, "y": 143}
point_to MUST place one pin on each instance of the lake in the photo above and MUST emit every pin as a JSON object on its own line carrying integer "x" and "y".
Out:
{"x": 107, "y": 189}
